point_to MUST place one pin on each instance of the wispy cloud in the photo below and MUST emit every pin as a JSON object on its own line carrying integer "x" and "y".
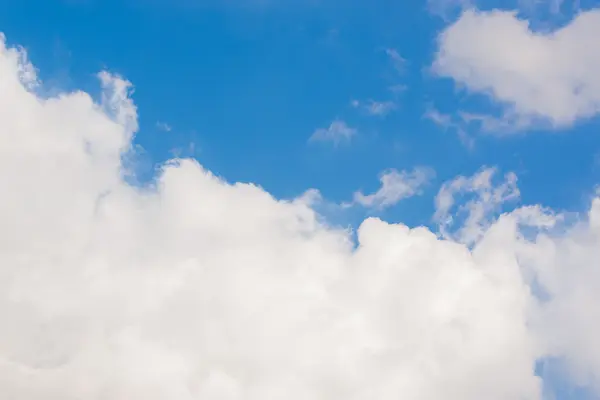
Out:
{"x": 445, "y": 8}
{"x": 375, "y": 108}
{"x": 448, "y": 123}
{"x": 398, "y": 88}
{"x": 163, "y": 126}
{"x": 488, "y": 198}
{"x": 338, "y": 131}
{"x": 395, "y": 186}
{"x": 397, "y": 60}
{"x": 466, "y": 123}
{"x": 439, "y": 118}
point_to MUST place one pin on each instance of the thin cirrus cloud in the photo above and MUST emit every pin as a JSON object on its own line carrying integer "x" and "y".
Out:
{"x": 541, "y": 77}
{"x": 195, "y": 288}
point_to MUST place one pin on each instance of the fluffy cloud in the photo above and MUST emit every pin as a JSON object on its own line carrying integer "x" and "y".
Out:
{"x": 336, "y": 132}
{"x": 195, "y": 288}
{"x": 538, "y": 76}
{"x": 395, "y": 186}
{"x": 565, "y": 270}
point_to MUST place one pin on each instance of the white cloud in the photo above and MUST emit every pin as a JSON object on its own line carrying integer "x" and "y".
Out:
{"x": 336, "y": 132}
{"x": 200, "y": 289}
{"x": 397, "y": 60}
{"x": 395, "y": 186}
{"x": 443, "y": 8}
{"x": 537, "y": 76}
{"x": 492, "y": 124}
{"x": 448, "y": 9}
{"x": 380, "y": 107}
{"x": 375, "y": 108}
{"x": 488, "y": 200}
{"x": 163, "y": 126}
{"x": 552, "y": 6}
{"x": 448, "y": 122}
{"x": 566, "y": 269}
{"x": 398, "y": 88}
{"x": 441, "y": 119}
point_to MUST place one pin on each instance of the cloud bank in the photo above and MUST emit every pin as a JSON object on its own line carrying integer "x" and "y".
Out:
{"x": 195, "y": 288}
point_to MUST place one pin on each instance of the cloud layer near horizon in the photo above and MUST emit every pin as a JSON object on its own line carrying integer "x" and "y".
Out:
{"x": 200, "y": 289}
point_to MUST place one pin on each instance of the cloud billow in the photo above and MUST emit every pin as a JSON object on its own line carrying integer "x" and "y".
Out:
{"x": 195, "y": 288}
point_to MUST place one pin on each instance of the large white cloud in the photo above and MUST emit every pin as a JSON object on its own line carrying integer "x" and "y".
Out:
{"x": 567, "y": 270}
{"x": 200, "y": 289}
{"x": 551, "y": 76}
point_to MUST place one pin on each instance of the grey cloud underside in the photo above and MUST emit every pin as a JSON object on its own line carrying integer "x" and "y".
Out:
{"x": 200, "y": 289}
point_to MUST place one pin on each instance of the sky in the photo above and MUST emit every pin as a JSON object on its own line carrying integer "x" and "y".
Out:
{"x": 265, "y": 199}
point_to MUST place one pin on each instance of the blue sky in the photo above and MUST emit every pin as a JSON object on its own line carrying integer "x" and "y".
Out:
{"x": 242, "y": 87}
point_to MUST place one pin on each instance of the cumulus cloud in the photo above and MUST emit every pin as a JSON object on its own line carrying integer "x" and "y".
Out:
{"x": 395, "y": 186}
{"x": 567, "y": 271}
{"x": 338, "y": 131}
{"x": 548, "y": 77}
{"x": 195, "y": 288}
